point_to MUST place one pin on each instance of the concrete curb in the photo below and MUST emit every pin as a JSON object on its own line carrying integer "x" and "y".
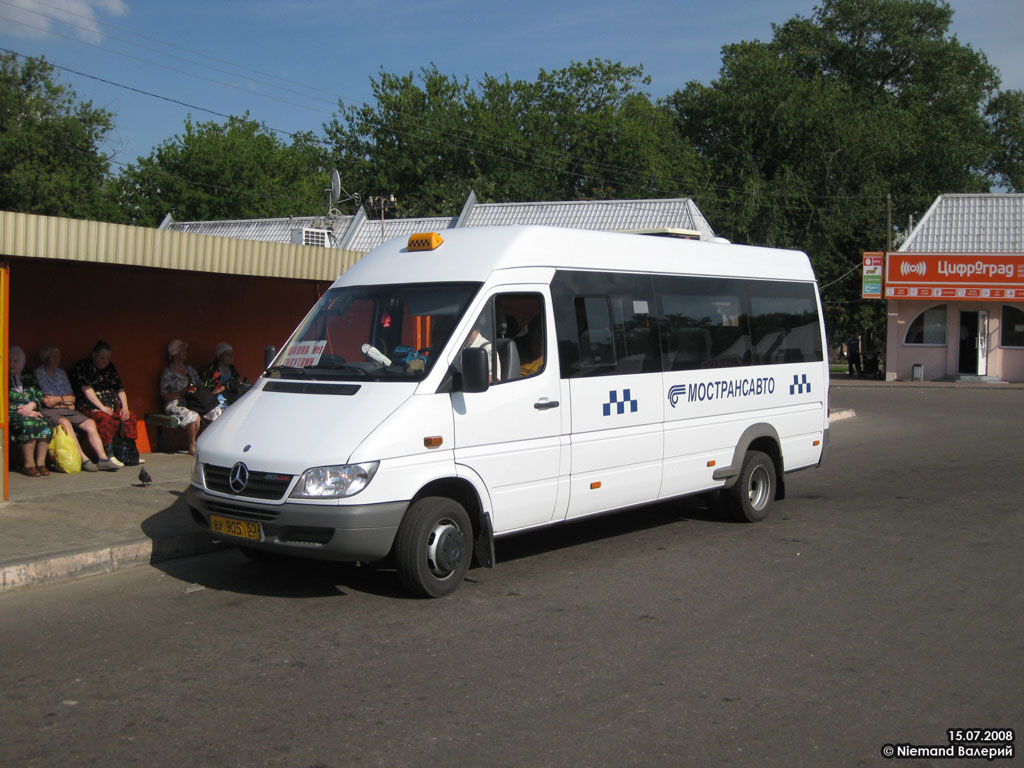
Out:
{"x": 126, "y": 554}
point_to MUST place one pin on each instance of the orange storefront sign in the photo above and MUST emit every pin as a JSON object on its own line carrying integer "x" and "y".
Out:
{"x": 954, "y": 276}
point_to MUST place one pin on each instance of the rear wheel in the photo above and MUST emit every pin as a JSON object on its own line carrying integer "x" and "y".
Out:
{"x": 433, "y": 547}
{"x": 750, "y": 499}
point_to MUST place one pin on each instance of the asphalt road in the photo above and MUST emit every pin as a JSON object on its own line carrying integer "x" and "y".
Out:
{"x": 880, "y": 603}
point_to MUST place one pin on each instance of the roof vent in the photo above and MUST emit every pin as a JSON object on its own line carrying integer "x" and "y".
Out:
{"x": 318, "y": 238}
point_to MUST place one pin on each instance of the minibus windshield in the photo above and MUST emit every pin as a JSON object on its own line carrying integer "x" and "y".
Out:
{"x": 377, "y": 332}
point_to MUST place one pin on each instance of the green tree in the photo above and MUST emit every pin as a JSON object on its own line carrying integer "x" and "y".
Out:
{"x": 807, "y": 134}
{"x": 586, "y": 131}
{"x": 234, "y": 170}
{"x": 51, "y": 161}
{"x": 1006, "y": 116}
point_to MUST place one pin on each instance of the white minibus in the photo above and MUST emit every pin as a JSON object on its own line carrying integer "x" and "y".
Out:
{"x": 465, "y": 385}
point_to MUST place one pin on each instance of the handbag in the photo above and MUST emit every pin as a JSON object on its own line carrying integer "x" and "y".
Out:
{"x": 200, "y": 399}
{"x": 124, "y": 449}
{"x": 65, "y": 451}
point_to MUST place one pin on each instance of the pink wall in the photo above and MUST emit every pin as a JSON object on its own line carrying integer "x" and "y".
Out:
{"x": 942, "y": 362}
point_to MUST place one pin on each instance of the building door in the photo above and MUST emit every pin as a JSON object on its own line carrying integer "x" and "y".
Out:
{"x": 973, "y": 343}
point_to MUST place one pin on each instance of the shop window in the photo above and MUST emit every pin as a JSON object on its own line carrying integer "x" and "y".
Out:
{"x": 929, "y": 327}
{"x": 1012, "y": 327}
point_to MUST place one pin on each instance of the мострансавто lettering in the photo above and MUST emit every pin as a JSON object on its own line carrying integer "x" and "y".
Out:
{"x": 720, "y": 390}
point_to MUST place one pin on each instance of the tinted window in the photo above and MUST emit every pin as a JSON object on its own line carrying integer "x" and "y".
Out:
{"x": 783, "y": 323}
{"x": 605, "y": 324}
{"x": 703, "y": 323}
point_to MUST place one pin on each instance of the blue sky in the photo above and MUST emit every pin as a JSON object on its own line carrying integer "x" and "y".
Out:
{"x": 289, "y": 61}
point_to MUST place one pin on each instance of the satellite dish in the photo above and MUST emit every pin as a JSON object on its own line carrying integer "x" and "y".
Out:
{"x": 335, "y": 187}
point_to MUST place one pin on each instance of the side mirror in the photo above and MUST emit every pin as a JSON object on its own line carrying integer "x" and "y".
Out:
{"x": 475, "y": 375}
{"x": 268, "y": 356}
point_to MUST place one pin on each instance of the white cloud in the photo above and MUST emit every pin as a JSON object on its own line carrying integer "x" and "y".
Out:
{"x": 40, "y": 18}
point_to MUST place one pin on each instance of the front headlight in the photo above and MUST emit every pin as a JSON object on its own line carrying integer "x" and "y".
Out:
{"x": 197, "y": 471}
{"x": 334, "y": 482}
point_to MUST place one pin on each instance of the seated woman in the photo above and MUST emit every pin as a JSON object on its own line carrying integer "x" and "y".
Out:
{"x": 29, "y": 429}
{"x": 222, "y": 378}
{"x": 59, "y": 409}
{"x": 176, "y": 381}
{"x": 99, "y": 394}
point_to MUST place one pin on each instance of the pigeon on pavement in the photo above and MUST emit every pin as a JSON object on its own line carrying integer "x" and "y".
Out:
{"x": 144, "y": 477}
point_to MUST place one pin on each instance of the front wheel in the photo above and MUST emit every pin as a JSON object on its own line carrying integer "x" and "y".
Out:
{"x": 433, "y": 547}
{"x": 750, "y": 499}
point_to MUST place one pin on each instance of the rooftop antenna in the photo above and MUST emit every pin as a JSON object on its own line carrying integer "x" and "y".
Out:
{"x": 335, "y": 194}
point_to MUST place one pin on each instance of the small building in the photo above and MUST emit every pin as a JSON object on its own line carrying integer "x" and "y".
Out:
{"x": 955, "y": 292}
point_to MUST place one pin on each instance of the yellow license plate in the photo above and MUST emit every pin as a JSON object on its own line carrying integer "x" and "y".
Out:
{"x": 242, "y": 529}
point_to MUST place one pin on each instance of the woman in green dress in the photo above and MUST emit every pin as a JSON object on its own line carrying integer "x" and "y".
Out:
{"x": 29, "y": 429}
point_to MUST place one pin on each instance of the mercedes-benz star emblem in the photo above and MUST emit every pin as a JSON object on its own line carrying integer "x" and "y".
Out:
{"x": 239, "y": 477}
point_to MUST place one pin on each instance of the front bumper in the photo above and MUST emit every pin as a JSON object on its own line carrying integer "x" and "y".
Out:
{"x": 325, "y": 532}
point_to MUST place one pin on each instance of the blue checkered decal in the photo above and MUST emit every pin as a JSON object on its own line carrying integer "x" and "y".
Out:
{"x": 620, "y": 405}
{"x": 800, "y": 384}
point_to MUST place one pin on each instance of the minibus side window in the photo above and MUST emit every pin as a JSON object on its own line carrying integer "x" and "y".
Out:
{"x": 703, "y": 323}
{"x": 594, "y": 323}
{"x": 784, "y": 324}
{"x": 605, "y": 323}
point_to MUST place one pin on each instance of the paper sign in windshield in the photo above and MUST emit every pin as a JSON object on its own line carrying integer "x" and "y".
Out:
{"x": 305, "y": 354}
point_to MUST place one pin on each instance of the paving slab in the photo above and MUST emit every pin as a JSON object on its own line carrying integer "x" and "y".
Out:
{"x": 64, "y": 526}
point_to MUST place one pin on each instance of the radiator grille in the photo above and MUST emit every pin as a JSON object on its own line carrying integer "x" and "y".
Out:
{"x": 260, "y": 485}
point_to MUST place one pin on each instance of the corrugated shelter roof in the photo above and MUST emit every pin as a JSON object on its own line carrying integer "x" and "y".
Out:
{"x": 971, "y": 223}
{"x": 47, "y": 237}
{"x": 605, "y": 215}
{"x": 260, "y": 230}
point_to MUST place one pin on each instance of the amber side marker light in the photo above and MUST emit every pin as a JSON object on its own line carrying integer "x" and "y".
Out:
{"x": 432, "y": 442}
{"x": 817, "y": 442}
{"x": 595, "y": 486}
{"x": 424, "y": 241}
{"x": 711, "y": 463}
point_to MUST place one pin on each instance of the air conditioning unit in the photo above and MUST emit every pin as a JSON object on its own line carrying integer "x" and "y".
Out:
{"x": 319, "y": 238}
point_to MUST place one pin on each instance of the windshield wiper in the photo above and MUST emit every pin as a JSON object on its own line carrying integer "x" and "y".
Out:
{"x": 289, "y": 370}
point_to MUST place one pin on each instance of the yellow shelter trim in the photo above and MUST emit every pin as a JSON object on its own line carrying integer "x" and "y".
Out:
{"x": 31, "y": 236}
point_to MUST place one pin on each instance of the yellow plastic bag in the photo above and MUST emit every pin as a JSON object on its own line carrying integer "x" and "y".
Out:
{"x": 64, "y": 451}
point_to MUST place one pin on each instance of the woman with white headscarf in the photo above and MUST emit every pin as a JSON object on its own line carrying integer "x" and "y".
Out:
{"x": 176, "y": 381}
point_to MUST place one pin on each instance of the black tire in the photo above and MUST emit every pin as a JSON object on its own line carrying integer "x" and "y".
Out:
{"x": 750, "y": 499}
{"x": 434, "y": 547}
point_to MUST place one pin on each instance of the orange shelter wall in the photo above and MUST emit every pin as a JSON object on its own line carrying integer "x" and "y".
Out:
{"x": 138, "y": 311}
